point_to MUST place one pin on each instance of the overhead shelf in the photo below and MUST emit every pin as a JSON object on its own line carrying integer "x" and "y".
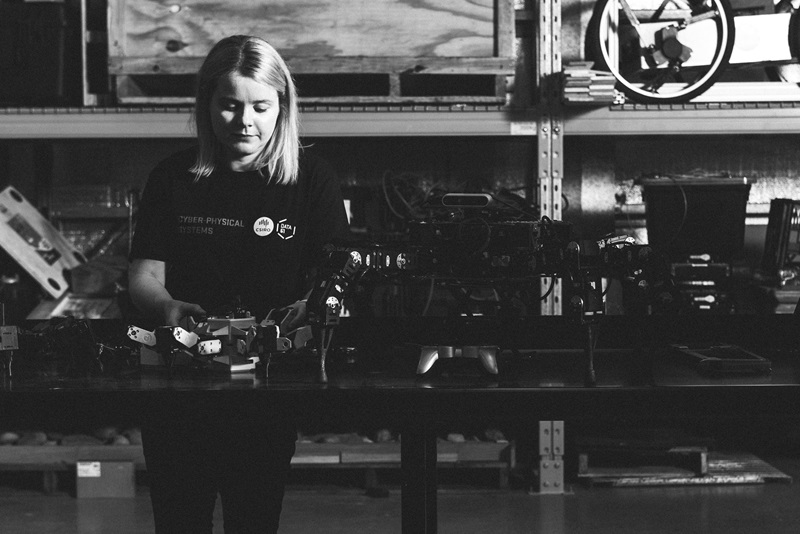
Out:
{"x": 628, "y": 119}
{"x": 726, "y": 108}
{"x": 685, "y": 119}
{"x": 342, "y": 121}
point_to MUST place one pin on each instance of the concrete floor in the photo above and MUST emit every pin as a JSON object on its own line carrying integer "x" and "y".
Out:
{"x": 772, "y": 508}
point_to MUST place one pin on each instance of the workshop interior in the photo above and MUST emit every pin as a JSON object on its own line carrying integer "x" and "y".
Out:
{"x": 568, "y": 196}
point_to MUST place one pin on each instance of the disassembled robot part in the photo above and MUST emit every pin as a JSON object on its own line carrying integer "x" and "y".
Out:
{"x": 229, "y": 344}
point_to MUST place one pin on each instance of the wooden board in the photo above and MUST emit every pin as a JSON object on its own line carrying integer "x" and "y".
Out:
{"x": 318, "y": 29}
{"x": 475, "y": 451}
{"x": 382, "y": 453}
{"x": 61, "y": 457}
{"x": 155, "y": 38}
{"x": 315, "y": 454}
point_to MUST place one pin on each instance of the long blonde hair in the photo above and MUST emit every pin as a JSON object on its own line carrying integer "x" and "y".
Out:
{"x": 254, "y": 58}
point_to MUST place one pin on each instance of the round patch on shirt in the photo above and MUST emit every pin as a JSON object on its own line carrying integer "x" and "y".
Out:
{"x": 263, "y": 226}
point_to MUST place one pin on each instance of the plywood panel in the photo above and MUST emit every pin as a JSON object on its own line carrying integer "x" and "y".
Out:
{"x": 392, "y": 39}
{"x": 322, "y": 28}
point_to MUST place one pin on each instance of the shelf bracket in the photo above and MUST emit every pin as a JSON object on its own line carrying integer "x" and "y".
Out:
{"x": 551, "y": 457}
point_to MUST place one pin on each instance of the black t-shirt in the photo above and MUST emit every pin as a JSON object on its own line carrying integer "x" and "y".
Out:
{"x": 237, "y": 235}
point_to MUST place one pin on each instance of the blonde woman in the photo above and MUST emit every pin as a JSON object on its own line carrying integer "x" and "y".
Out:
{"x": 238, "y": 220}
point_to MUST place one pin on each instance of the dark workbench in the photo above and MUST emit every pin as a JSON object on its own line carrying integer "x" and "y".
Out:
{"x": 635, "y": 380}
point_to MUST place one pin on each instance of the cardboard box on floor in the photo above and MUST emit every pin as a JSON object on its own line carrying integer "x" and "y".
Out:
{"x": 105, "y": 479}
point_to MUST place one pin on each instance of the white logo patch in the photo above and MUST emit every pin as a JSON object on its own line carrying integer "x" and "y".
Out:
{"x": 285, "y": 230}
{"x": 263, "y": 226}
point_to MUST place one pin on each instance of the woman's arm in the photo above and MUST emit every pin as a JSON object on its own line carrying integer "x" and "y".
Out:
{"x": 146, "y": 285}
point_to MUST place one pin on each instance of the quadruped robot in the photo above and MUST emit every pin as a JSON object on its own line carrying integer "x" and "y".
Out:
{"x": 468, "y": 240}
{"x": 231, "y": 343}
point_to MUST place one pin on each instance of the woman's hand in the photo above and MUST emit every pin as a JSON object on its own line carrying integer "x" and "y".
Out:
{"x": 295, "y": 317}
{"x": 146, "y": 280}
{"x": 179, "y": 313}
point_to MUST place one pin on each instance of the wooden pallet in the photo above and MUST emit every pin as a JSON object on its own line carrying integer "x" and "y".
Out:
{"x": 340, "y": 51}
{"x": 389, "y": 453}
{"x": 55, "y": 459}
{"x": 500, "y": 456}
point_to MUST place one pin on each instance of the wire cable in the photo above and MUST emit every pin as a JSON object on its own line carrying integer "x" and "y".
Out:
{"x": 429, "y": 299}
{"x": 685, "y": 211}
{"x": 549, "y": 289}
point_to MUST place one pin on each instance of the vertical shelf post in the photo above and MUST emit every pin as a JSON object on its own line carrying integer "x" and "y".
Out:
{"x": 550, "y": 144}
{"x": 550, "y": 141}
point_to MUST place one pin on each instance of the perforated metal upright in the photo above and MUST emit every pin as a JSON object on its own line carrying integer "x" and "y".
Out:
{"x": 550, "y": 131}
{"x": 551, "y": 457}
{"x": 550, "y": 140}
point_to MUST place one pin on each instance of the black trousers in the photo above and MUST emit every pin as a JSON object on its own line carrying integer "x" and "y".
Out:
{"x": 197, "y": 450}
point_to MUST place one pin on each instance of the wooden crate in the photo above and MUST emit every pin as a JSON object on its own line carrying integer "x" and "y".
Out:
{"x": 340, "y": 51}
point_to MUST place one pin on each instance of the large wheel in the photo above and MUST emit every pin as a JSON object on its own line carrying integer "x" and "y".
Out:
{"x": 789, "y": 72}
{"x": 662, "y": 52}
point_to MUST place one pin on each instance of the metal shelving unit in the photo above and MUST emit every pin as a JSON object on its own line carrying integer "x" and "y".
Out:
{"x": 546, "y": 126}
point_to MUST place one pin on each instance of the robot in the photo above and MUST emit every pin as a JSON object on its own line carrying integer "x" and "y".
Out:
{"x": 468, "y": 241}
{"x": 233, "y": 343}
{"x": 483, "y": 245}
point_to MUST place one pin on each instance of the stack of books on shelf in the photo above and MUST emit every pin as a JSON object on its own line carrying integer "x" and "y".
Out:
{"x": 585, "y": 85}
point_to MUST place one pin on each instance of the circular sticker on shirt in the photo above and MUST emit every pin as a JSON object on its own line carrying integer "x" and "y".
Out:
{"x": 263, "y": 226}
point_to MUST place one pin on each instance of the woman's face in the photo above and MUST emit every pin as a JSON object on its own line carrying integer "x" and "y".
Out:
{"x": 243, "y": 116}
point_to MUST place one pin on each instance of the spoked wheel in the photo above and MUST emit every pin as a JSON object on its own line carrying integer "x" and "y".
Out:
{"x": 662, "y": 51}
